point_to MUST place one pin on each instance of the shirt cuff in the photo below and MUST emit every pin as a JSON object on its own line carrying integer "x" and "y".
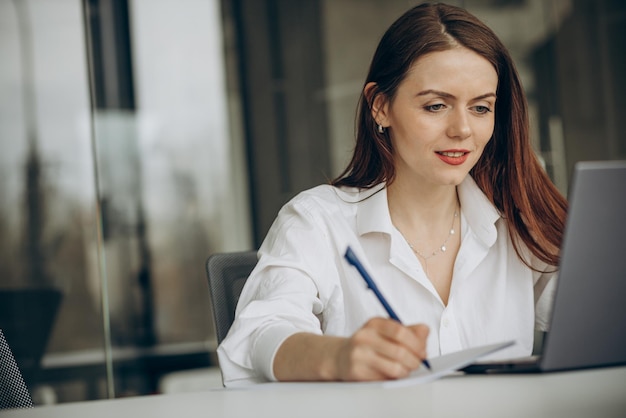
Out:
{"x": 267, "y": 345}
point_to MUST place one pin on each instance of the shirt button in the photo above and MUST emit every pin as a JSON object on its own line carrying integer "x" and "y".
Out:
{"x": 446, "y": 322}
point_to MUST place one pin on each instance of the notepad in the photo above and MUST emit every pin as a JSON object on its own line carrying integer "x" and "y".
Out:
{"x": 447, "y": 364}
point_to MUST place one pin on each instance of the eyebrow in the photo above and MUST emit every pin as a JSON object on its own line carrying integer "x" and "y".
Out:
{"x": 448, "y": 95}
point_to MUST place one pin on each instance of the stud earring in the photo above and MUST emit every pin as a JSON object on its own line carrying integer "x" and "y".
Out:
{"x": 381, "y": 130}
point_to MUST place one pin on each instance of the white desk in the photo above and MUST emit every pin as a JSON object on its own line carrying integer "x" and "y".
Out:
{"x": 586, "y": 394}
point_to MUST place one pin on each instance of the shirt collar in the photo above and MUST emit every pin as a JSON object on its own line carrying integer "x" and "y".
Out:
{"x": 373, "y": 211}
{"x": 481, "y": 215}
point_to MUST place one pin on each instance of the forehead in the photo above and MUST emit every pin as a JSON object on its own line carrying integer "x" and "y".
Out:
{"x": 453, "y": 69}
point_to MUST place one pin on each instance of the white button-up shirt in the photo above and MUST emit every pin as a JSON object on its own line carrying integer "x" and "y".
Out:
{"x": 303, "y": 283}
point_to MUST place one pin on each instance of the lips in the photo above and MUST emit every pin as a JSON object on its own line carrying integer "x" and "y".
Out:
{"x": 453, "y": 157}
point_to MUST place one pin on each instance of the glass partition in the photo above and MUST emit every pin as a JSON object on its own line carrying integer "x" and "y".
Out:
{"x": 119, "y": 176}
{"x": 171, "y": 181}
{"x": 49, "y": 272}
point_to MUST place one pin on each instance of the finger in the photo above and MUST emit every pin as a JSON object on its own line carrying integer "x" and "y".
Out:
{"x": 421, "y": 331}
{"x": 413, "y": 337}
{"x": 379, "y": 369}
{"x": 388, "y": 348}
{"x": 390, "y": 369}
{"x": 399, "y": 354}
{"x": 375, "y": 366}
{"x": 359, "y": 360}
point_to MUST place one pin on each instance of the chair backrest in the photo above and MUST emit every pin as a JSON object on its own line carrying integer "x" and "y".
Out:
{"x": 227, "y": 273}
{"x": 13, "y": 390}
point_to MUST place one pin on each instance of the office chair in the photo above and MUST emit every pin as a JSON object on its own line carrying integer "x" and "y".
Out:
{"x": 227, "y": 273}
{"x": 13, "y": 390}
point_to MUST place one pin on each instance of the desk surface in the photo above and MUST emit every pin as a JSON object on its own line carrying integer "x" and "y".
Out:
{"x": 587, "y": 393}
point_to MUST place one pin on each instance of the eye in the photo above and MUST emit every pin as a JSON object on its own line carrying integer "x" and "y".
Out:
{"x": 435, "y": 107}
{"x": 481, "y": 109}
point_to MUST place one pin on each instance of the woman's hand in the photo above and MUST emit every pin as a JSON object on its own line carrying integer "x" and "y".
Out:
{"x": 381, "y": 349}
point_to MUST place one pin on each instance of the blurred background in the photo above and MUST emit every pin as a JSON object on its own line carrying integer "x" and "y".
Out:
{"x": 138, "y": 137}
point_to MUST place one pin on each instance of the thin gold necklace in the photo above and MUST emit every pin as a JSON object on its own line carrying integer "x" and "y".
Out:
{"x": 441, "y": 249}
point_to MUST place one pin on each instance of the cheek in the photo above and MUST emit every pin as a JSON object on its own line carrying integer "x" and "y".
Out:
{"x": 484, "y": 140}
{"x": 485, "y": 132}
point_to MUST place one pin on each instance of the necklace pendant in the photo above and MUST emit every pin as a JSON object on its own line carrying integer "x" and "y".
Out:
{"x": 442, "y": 248}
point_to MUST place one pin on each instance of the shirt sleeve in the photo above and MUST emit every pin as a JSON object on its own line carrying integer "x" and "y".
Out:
{"x": 282, "y": 296}
{"x": 544, "y": 289}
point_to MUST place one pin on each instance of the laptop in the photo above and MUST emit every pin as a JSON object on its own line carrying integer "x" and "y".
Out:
{"x": 588, "y": 321}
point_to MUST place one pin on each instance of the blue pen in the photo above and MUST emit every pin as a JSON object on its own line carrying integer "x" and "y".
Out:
{"x": 352, "y": 259}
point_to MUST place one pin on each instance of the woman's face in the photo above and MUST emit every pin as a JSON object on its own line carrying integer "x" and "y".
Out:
{"x": 441, "y": 117}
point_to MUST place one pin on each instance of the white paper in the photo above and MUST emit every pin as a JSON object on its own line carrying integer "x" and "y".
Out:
{"x": 446, "y": 364}
{"x": 440, "y": 366}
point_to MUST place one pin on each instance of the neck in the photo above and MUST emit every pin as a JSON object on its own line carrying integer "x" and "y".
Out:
{"x": 421, "y": 209}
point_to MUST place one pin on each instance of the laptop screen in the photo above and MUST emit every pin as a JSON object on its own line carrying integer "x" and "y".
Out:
{"x": 589, "y": 313}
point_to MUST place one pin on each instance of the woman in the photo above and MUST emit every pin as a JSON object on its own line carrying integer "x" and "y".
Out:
{"x": 443, "y": 201}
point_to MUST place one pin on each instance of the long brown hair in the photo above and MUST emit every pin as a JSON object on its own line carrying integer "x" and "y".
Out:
{"x": 508, "y": 171}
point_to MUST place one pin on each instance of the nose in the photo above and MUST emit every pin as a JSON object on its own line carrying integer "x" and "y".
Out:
{"x": 458, "y": 125}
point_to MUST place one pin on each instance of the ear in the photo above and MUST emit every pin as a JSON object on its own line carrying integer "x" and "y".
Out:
{"x": 378, "y": 102}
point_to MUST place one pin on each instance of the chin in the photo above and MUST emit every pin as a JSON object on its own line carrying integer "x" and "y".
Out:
{"x": 454, "y": 180}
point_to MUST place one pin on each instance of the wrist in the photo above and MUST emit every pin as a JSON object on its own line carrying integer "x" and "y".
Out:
{"x": 311, "y": 357}
{"x": 329, "y": 366}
